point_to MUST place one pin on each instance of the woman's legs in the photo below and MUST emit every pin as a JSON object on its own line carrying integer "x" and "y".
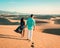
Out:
{"x": 23, "y": 32}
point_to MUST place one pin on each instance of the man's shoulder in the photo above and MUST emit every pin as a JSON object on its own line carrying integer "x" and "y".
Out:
{"x": 29, "y": 19}
{"x": 33, "y": 19}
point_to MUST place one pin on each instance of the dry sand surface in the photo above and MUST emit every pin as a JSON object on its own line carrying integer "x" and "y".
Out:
{"x": 11, "y": 39}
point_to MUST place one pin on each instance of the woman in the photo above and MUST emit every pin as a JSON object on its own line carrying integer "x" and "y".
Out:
{"x": 21, "y": 28}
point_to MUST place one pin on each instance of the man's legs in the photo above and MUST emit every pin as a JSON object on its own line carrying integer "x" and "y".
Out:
{"x": 30, "y": 34}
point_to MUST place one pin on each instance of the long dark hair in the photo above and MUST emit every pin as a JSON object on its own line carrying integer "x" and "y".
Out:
{"x": 22, "y": 21}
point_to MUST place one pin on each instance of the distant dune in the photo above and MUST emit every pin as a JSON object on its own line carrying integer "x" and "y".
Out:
{"x": 4, "y": 21}
{"x": 57, "y": 21}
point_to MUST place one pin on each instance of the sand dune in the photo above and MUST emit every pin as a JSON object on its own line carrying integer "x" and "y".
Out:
{"x": 11, "y": 39}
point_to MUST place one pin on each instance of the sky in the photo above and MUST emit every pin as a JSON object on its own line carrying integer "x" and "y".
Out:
{"x": 31, "y": 6}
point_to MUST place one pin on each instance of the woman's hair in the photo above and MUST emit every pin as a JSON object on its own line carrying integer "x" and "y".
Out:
{"x": 22, "y": 21}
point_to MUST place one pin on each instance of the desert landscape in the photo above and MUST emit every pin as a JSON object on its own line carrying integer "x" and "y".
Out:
{"x": 47, "y": 30}
{"x": 45, "y": 35}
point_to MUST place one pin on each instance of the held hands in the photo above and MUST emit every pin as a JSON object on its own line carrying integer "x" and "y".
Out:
{"x": 34, "y": 28}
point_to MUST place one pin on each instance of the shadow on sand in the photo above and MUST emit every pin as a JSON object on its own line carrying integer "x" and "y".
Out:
{"x": 10, "y": 37}
{"x": 52, "y": 31}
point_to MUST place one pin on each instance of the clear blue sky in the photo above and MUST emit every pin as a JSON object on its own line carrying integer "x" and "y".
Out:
{"x": 31, "y": 6}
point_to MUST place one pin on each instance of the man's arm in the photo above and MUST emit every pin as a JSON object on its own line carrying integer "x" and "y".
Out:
{"x": 34, "y": 25}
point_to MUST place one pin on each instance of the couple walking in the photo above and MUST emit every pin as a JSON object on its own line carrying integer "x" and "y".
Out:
{"x": 30, "y": 24}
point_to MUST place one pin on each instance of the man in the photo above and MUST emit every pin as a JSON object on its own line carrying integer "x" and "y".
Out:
{"x": 30, "y": 26}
